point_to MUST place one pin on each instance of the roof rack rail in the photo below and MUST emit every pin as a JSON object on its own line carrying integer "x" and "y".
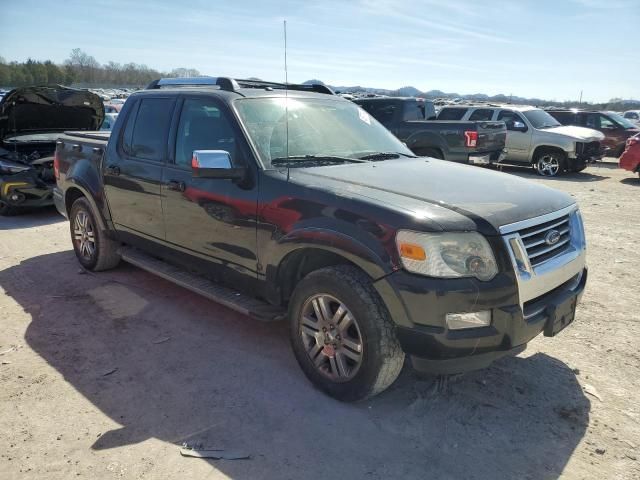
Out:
{"x": 232, "y": 84}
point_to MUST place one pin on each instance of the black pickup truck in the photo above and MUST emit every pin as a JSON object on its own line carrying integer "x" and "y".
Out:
{"x": 413, "y": 121}
{"x": 294, "y": 203}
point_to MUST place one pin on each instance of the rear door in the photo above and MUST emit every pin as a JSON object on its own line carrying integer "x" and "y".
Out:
{"x": 133, "y": 170}
{"x": 209, "y": 217}
{"x": 518, "y": 143}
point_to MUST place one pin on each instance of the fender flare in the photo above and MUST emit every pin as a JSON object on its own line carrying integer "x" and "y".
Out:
{"x": 374, "y": 263}
{"x": 76, "y": 184}
{"x": 426, "y": 139}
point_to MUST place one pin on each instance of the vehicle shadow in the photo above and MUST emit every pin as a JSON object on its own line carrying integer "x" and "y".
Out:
{"x": 635, "y": 181}
{"x": 164, "y": 363}
{"x": 31, "y": 218}
{"x": 527, "y": 172}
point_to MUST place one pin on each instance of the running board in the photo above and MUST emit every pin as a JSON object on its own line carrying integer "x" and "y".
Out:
{"x": 225, "y": 296}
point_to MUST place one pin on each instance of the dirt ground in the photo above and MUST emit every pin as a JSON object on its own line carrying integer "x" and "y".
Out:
{"x": 105, "y": 375}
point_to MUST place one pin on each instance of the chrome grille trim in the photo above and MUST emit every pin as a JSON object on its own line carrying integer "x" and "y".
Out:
{"x": 540, "y": 269}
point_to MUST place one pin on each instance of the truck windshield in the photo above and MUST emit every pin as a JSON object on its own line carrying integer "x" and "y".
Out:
{"x": 316, "y": 128}
{"x": 541, "y": 119}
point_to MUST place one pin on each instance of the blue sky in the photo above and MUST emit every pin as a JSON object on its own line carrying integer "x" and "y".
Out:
{"x": 547, "y": 48}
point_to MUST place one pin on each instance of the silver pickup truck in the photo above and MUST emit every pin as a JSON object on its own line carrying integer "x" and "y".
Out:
{"x": 536, "y": 138}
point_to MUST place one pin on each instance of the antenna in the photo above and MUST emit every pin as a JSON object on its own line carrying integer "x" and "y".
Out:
{"x": 286, "y": 96}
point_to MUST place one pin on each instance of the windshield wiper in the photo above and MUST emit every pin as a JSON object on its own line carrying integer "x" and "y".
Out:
{"x": 385, "y": 156}
{"x": 314, "y": 158}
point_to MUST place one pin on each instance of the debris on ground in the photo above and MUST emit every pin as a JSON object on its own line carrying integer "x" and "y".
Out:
{"x": 8, "y": 350}
{"x": 600, "y": 451}
{"x": 197, "y": 451}
{"x": 110, "y": 371}
{"x": 161, "y": 340}
{"x": 591, "y": 390}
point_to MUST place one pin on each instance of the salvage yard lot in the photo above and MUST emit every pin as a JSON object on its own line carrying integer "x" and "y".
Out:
{"x": 105, "y": 375}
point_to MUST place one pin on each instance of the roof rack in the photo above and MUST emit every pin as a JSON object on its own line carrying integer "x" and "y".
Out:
{"x": 232, "y": 84}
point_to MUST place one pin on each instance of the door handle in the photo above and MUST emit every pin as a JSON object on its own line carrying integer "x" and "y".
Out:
{"x": 113, "y": 170}
{"x": 176, "y": 185}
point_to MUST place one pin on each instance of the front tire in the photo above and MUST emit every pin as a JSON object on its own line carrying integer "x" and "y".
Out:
{"x": 550, "y": 163}
{"x": 342, "y": 334}
{"x": 7, "y": 210}
{"x": 94, "y": 250}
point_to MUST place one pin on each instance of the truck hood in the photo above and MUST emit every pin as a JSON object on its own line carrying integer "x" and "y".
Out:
{"x": 576, "y": 133}
{"x": 46, "y": 109}
{"x": 450, "y": 195}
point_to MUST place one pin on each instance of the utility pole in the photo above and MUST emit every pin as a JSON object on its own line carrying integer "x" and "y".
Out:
{"x": 580, "y": 101}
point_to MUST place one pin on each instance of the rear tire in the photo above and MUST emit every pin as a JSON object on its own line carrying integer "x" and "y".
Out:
{"x": 550, "y": 163}
{"x": 342, "y": 334}
{"x": 94, "y": 250}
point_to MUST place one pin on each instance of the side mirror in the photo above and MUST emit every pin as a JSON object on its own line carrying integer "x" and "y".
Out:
{"x": 214, "y": 164}
{"x": 517, "y": 126}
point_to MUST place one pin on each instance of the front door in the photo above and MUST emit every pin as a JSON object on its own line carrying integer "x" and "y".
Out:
{"x": 133, "y": 168}
{"x": 214, "y": 219}
{"x": 518, "y": 143}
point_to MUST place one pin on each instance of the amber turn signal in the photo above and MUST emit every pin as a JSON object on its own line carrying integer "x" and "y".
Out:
{"x": 412, "y": 251}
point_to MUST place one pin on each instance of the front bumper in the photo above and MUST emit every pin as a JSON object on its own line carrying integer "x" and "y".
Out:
{"x": 437, "y": 350}
{"x": 23, "y": 190}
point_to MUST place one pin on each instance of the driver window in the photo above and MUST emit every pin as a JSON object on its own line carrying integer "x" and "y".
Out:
{"x": 509, "y": 118}
{"x": 606, "y": 122}
{"x": 203, "y": 126}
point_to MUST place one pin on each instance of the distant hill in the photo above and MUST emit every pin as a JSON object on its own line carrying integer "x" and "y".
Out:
{"x": 616, "y": 104}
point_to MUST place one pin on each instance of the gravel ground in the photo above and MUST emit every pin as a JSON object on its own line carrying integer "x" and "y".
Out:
{"x": 104, "y": 375}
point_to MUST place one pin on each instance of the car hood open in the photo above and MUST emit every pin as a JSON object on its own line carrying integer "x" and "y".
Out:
{"x": 46, "y": 109}
{"x": 580, "y": 133}
{"x": 454, "y": 196}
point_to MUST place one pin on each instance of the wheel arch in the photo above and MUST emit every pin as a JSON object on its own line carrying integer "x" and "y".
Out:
{"x": 304, "y": 251}
{"x": 546, "y": 148}
{"x": 76, "y": 191}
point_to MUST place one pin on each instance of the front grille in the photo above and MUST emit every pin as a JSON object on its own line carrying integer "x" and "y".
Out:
{"x": 588, "y": 149}
{"x": 535, "y": 239}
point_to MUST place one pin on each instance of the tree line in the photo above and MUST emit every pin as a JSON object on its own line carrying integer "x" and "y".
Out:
{"x": 82, "y": 69}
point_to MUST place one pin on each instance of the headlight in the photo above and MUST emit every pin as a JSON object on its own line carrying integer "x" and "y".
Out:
{"x": 447, "y": 255}
{"x": 7, "y": 166}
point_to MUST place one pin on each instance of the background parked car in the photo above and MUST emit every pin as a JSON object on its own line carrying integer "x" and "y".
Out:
{"x": 535, "y": 138}
{"x": 633, "y": 116}
{"x": 630, "y": 159}
{"x": 413, "y": 120}
{"x": 615, "y": 128}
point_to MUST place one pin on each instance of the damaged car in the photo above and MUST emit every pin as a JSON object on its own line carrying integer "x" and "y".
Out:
{"x": 31, "y": 119}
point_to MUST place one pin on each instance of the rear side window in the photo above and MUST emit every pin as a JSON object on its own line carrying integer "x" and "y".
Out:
{"x": 381, "y": 111}
{"x": 481, "y": 114}
{"x": 565, "y": 118}
{"x": 413, "y": 111}
{"x": 146, "y": 130}
{"x": 452, "y": 113}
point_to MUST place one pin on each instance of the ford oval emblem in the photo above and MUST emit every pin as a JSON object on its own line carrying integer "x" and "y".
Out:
{"x": 552, "y": 237}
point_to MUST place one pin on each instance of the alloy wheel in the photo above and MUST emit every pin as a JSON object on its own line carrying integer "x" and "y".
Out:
{"x": 548, "y": 165}
{"x": 331, "y": 337}
{"x": 84, "y": 235}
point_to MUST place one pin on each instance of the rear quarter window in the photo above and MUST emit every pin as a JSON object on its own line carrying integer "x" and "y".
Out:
{"x": 452, "y": 113}
{"x": 382, "y": 111}
{"x": 481, "y": 114}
